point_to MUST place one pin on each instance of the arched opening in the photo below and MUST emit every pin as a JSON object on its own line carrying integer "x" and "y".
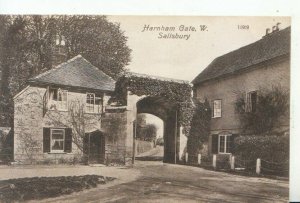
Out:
{"x": 168, "y": 112}
{"x": 149, "y": 137}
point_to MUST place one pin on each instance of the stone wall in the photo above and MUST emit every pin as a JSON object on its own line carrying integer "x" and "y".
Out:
{"x": 29, "y": 123}
{"x": 114, "y": 126}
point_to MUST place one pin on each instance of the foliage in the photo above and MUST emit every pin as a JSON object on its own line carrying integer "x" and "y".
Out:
{"x": 29, "y": 146}
{"x": 200, "y": 127}
{"x": 79, "y": 123}
{"x": 147, "y": 132}
{"x": 144, "y": 131}
{"x": 160, "y": 141}
{"x": 176, "y": 93}
{"x": 37, "y": 188}
{"x": 28, "y": 44}
{"x": 272, "y": 104}
{"x": 6, "y": 146}
{"x": 274, "y": 148}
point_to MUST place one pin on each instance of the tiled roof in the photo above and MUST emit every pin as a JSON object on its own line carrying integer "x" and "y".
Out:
{"x": 274, "y": 45}
{"x": 76, "y": 72}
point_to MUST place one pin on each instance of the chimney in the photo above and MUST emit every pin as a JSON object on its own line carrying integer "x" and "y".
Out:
{"x": 278, "y": 26}
{"x": 59, "y": 54}
{"x": 275, "y": 28}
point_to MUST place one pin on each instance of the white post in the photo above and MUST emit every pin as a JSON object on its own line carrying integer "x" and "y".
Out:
{"x": 258, "y": 166}
{"x": 199, "y": 159}
{"x": 232, "y": 163}
{"x": 186, "y": 157}
{"x": 215, "y": 161}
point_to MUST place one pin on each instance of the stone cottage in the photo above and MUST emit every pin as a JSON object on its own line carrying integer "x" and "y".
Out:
{"x": 261, "y": 64}
{"x": 63, "y": 115}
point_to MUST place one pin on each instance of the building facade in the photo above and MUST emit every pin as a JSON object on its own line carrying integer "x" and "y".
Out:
{"x": 260, "y": 65}
{"x": 63, "y": 115}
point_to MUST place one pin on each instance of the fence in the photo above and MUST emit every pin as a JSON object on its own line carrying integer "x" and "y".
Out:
{"x": 258, "y": 166}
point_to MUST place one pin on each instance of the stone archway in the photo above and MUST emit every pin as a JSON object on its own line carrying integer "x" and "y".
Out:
{"x": 167, "y": 111}
{"x": 162, "y": 97}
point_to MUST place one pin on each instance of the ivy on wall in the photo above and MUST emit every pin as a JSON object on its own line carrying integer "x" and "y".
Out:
{"x": 272, "y": 104}
{"x": 174, "y": 92}
{"x": 200, "y": 128}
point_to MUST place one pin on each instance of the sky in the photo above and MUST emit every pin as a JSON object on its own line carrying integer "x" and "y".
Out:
{"x": 186, "y": 58}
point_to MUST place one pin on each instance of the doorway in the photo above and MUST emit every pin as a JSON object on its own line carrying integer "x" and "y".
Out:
{"x": 94, "y": 147}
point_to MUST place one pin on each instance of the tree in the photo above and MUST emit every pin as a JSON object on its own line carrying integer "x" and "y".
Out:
{"x": 200, "y": 127}
{"x": 271, "y": 106}
{"x": 144, "y": 131}
{"x": 98, "y": 40}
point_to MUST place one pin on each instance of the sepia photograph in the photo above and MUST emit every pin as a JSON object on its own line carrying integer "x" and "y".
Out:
{"x": 139, "y": 108}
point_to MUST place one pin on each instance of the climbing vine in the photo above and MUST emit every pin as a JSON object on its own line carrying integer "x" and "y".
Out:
{"x": 176, "y": 92}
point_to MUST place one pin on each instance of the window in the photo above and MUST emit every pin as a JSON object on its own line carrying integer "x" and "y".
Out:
{"x": 217, "y": 108}
{"x": 93, "y": 103}
{"x": 251, "y": 100}
{"x": 222, "y": 143}
{"x": 57, "y": 140}
{"x": 58, "y": 99}
{"x": 225, "y": 143}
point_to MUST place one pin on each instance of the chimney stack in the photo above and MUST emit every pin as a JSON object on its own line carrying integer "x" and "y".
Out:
{"x": 278, "y": 26}
{"x": 59, "y": 54}
{"x": 275, "y": 28}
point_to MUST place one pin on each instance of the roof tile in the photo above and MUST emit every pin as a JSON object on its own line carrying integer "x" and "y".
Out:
{"x": 271, "y": 46}
{"x": 76, "y": 72}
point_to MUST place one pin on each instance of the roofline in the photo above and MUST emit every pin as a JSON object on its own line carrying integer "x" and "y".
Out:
{"x": 64, "y": 63}
{"x": 142, "y": 75}
{"x": 42, "y": 84}
{"x": 247, "y": 68}
{"x": 56, "y": 67}
{"x": 289, "y": 27}
{"x": 21, "y": 92}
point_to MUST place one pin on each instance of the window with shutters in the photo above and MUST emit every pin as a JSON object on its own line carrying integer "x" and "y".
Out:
{"x": 93, "y": 103}
{"x": 217, "y": 108}
{"x": 251, "y": 100}
{"x": 58, "y": 99}
{"x": 225, "y": 144}
{"x": 57, "y": 140}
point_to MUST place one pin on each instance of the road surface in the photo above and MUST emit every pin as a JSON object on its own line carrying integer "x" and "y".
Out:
{"x": 160, "y": 182}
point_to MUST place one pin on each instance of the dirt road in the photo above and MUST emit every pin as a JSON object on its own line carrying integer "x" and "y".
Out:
{"x": 160, "y": 182}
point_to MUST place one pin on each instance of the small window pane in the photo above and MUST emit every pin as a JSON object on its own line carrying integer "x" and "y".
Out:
{"x": 57, "y": 145}
{"x": 57, "y": 140}
{"x": 57, "y": 136}
{"x": 228, "y": 144}
{"x": 222, "y": 144}
{"x": 217, "y": 108}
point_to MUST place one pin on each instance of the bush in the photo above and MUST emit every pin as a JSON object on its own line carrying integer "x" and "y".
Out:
{"x": 160, "y": 141}
{"x": 200, "y": 128}
{"x": 270, "y": 107}
{"x": 273, "y": 148}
